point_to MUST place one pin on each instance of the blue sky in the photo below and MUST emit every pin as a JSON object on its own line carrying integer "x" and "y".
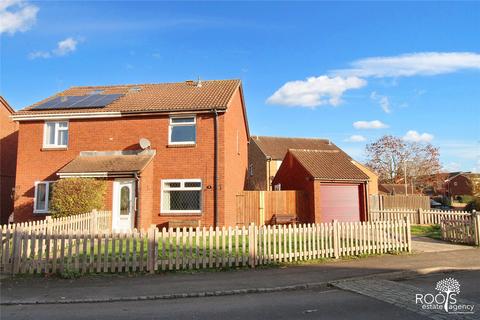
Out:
{"x": 350, "y": 72}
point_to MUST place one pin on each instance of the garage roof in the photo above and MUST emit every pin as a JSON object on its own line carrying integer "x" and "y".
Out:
{"x": 328, "y": 164}
{"x": 277, "y": 147}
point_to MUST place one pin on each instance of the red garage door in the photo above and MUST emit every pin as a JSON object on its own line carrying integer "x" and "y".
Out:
{"x": 339, "y": 202}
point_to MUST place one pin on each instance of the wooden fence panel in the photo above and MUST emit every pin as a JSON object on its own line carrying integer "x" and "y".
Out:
{"x": 259, "y": 207}
{"x": 383, "y": 202}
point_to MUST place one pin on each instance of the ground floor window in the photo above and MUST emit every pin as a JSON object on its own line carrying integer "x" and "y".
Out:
{"x": 43, "y": 193}
{"x": 181, "y": 196}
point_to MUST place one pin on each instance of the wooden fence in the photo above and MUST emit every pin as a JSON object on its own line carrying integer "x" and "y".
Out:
{"x": 418, "y": 216}
{"x": 36, "y": 251}
{"x": 94, "y": 221}
{"x": 259, "y": 207}
{"x": 462, "y": 230}
{"x": 383, "y": 202}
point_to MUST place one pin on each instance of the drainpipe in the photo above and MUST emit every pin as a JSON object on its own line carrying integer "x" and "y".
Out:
{"x": 137, "y": 197}
{"x": 215, "y": 169}
{"x": 269, "y": 183}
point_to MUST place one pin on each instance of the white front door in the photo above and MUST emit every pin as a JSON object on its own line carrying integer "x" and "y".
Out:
{"x": 123, "y": 207}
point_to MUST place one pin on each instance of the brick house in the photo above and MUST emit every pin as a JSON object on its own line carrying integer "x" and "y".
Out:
{"x": 8, "y": 159}
{"x": 461, "y": 183}
{"x": 190, "y": 164}
{"x": 336, "y": 188}
{"x": 265, "y": 156}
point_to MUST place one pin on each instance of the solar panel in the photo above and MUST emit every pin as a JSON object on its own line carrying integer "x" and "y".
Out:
{"x": 78, "y": 102}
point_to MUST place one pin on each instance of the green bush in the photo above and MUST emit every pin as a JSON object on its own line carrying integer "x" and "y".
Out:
{"x": 76, "y": 196}
{"x": 473, "y": 205}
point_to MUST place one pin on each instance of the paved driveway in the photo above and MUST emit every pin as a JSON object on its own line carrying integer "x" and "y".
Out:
{"x": 425, "y": 244}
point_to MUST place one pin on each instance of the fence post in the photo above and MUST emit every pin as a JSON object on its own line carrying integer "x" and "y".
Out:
{"x": 16, "y": 250}
{"x": 336, "y": 249}
{"x": 150, "y": 250}
{"x": 476, "y": 226}
{"x": 409, "y": 234}
{"x": 93, "y": 221}
{"x": 420, "y": 216}
{"x": 261, "y": 199}
{"x": 252, "y": 245}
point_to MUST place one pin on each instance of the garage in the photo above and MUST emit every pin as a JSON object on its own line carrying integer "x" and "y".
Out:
{"x": 340, "y": 202}
{"x": 334, "y": 185}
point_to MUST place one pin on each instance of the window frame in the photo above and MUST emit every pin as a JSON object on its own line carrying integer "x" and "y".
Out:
{"x": 182, "y": 124}
{"x": 56, "y": 129}
{"x": 182, "y": 187}
{"x": 47, "y": 197}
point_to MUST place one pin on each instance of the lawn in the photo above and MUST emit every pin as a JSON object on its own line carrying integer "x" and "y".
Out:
{"x": 432, "y": 231}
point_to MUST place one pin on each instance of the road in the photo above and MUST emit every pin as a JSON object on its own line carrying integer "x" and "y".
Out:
{"x": 329, "y": 303}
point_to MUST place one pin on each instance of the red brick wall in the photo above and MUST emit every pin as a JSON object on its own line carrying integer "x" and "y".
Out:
{"x": 197, "y": 162}
{"x": 236, "y": 156}
{"x": 257, "y": 159}
{"x": 292, "y": 176}
{"x": 8, "y": 159}
{"x": 460, "y": 185}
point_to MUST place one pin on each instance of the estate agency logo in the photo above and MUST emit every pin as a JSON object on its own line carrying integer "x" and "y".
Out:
{"x": 445, "y": 299}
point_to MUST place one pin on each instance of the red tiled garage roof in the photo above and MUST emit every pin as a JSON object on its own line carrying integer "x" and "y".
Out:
{"x": 328, "y": 164}
{"x": 277, "y": 147}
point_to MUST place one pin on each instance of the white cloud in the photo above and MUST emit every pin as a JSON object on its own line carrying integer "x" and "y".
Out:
{"x": 63, "y": 48}
{"x": 383, "y": 101}
{"x": 375, "y": 124}
{"x": 315, "y": 91}
{"x": 413, "y": 64}
{"x": 414, "y": 136}
{"x": 356, "y": 138}
{"x": 16, "y": 15}
{"x": 66, "y": 46}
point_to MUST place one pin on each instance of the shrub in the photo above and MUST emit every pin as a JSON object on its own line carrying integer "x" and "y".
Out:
{"x": 76, "y": 196}
{"x": 473, "y": 205}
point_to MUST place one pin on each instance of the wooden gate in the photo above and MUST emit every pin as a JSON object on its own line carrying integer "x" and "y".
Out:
{"x": 461, "y": 230}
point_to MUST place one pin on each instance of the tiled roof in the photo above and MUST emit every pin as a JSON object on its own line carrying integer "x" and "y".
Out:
{"x": 107, "y": 162}
{"x": 328, "y": 164}
{"x": 277, "y": 147}
{"x": 179, "y": 96}
{"x": 391, "y": 188}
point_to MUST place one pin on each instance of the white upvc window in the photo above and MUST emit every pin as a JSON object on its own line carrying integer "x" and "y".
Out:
{"x": 43, "y": 193}
{"x": 55, "y": 134}
{"x": 181, "y": 196}
{"x": 182, "y": 130}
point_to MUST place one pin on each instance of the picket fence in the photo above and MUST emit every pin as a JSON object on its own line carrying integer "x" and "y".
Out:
{"x": 93, "y": 222}
{"x": 39, "y": 251}
{"x": 418, "y": 216}
{"x": 465, "y": 231}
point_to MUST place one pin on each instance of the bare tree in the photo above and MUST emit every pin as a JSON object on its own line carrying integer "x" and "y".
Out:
{"x": 392, "y": 158}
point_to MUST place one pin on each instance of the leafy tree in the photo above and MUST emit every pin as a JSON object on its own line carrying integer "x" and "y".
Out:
{"x": 389, "y": 156}
{"x": 74, "y": 196}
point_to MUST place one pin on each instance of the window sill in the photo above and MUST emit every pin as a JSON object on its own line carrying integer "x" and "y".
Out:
{"x": 54, "y": 148}
{"x": 41, "y": 213}
{"x": 187, "y": 145}
{"x": 179, "y": 214}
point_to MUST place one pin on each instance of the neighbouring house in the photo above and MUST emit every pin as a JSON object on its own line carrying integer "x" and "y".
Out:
{"x": 8, "y": 159}
{"x": 336, "y": 188}
{"x": 461, "y": 183}
{"x": 265, "y": 156}
{"x": 449, "y": 184}
{"x": 172, "y": 153}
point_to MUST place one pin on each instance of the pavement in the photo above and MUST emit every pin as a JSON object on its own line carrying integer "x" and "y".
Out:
{"x": 163, "y": 286}
{"x": 318, "y": 303}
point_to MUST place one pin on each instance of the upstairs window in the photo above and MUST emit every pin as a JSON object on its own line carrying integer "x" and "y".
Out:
{"x": 55, "y": 134}
{"x": 182, "y": 196}
{"x": 43, "y": 194}
{"x": 182, "y": 130}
